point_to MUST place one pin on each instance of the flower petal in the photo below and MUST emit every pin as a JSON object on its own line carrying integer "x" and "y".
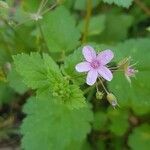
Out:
{"x": 91, "y": 77}
{"x": 83, "y": 67}
{"x": 105, "y": 73}
{"x": 89, "y": 53}
{"x": 105, "y": 56}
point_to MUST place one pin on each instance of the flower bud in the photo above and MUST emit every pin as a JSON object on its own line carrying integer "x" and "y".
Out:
{"x": 99, "y": 95}
{"x": 112, "y": 100}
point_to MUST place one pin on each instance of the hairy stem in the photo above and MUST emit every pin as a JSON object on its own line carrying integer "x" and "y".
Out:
{"x": 103, "y": 85}
{"x": 87, "y": 20}
{"x": 41, "y": 32}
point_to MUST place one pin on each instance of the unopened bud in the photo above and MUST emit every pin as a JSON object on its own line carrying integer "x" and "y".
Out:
{"x": 99, "y": 95}
{"x": 112, "y": 100}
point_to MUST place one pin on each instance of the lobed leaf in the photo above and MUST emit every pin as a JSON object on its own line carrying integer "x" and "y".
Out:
{"x": 59, "y": 30}
{"x": 50, "y": 126}
{"x": 123, "y": 3}
{"x": 34, "y": 69}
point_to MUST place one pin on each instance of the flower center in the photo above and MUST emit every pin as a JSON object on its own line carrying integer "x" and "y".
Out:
{"x": 95, "y": 64}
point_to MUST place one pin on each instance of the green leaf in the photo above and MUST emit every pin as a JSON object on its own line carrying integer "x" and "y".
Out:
{"x": 4, "y": 55}
{"x": 82, "y": 4}
{"x": 101, "y": 145}
{"x": 34, "y": 5}
{"x": 15, "y": 82}
{"x": 34, "y": 69}
{"x": 140, "y": 138}
{"x": 135, "y": 96}
{"x": 31, "y": 6}
{"x": 3, "y": 5}
{"x": 123, "y": 3}
{"x": 42, "y": 73}
{"x": 4, "y": 9}
{"x": 116, "y": 27}
{"x": 100, "y": 121}
{"x": 63, "y": 93}
{"x": 119, "y": 122}
{"x": 96, "y": 25}
{"x": 49, "y": 126}
{"x": 6, "y": 93}
{"x": 84, "y": 145}
{"x": 118, "y": 143}
{"x": 69, "y": 66}
{"x": 31, "y": 68}
{"x": 2, "y": 75}
{"x": 59, "y": 30}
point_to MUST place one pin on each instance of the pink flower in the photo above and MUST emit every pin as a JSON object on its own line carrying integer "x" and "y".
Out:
{"x": 95, "y": 65}
{"x": 130, "y": 72}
